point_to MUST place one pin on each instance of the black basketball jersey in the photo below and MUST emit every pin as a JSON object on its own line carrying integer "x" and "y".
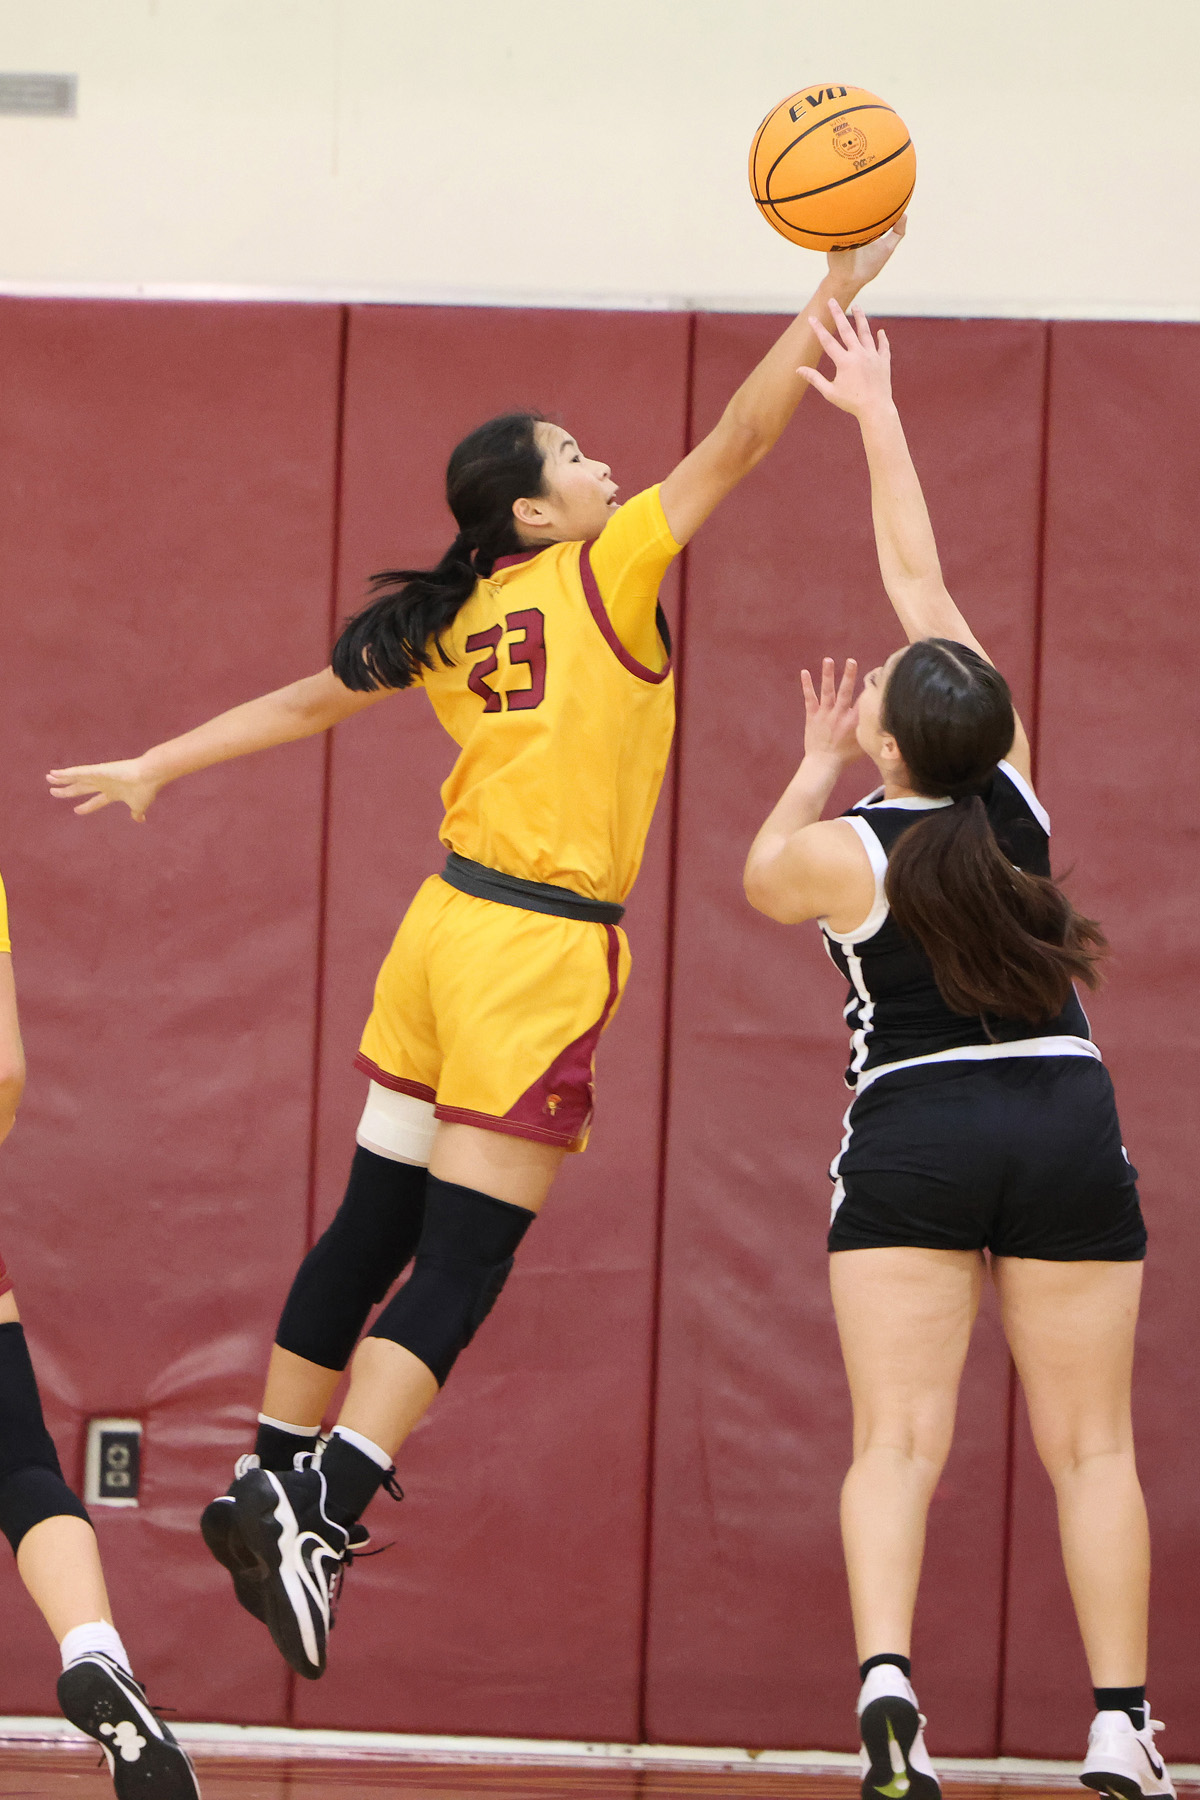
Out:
{"x": 894, "y": 1011}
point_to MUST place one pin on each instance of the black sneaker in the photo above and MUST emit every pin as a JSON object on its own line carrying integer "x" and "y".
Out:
{"x": 144, "y": 1760}
{"x": 218, "y": 1526}
{"x": 299, "y": 1554}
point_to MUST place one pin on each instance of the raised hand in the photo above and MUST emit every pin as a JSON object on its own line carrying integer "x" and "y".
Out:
{"x": 862, "y": 377}
{"x": 831, "y": 717}
{"x": 104, "y": 783}
{"x": 858, "y": 266}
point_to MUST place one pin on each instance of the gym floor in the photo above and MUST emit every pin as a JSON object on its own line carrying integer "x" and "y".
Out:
{"x": 73, "y": 1774}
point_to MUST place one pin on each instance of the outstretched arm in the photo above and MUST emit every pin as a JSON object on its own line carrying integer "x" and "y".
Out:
{"x": 904, "y": 540}
{"x": 300, "y": 710}
{"x": 755, "y": 417}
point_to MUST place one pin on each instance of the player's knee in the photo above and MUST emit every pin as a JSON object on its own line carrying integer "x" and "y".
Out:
{"x": 30, "y": 1495}
{"x": 464, "y": 1258}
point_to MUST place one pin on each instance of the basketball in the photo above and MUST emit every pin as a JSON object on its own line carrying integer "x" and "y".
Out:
{"x": 831, "y": 167}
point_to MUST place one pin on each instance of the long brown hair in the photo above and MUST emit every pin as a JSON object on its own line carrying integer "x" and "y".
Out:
{"x": 1000, "y": 941}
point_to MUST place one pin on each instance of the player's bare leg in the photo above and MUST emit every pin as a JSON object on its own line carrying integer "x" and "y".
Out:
{"x": 58, "y": 1560}
{"x": 904, "y": 1316}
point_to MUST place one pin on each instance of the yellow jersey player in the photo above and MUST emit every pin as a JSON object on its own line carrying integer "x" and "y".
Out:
{"x": 49, "y": 1531}
{"x": 538, "y": 639}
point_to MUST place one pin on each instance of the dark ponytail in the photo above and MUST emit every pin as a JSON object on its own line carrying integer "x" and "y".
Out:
{"x": 1000, "y": 941}
{"x": 386, "y": 644}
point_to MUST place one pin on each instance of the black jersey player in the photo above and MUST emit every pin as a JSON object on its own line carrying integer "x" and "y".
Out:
{"x": 983, "y": 1120}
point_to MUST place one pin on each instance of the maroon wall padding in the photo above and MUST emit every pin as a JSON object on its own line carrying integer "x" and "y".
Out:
{"x": 749, "y": 1626}
{"x": 166, "y": 487}
{"x": 1119, "y": 771}
{"x": 170, "y": 520}
{"x": 512, "y": 1602}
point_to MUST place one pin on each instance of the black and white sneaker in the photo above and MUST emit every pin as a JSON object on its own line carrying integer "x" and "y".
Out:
{"x": 144, "y": 1760}
{"x": 895, "y": 1762}
{"x": 1122, "y": 1761}
{"x": 218, "y": 1526}
{"x": 299, "y": 1555}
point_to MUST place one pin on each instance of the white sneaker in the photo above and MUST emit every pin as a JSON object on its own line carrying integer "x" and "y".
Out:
{"x": 1122, "y": 1761}
{"x": 895, "y": 1762}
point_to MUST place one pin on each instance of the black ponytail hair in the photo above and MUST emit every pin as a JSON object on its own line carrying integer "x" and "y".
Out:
{"x": 391, "y": 640}
{"x": 1000, "y": 941}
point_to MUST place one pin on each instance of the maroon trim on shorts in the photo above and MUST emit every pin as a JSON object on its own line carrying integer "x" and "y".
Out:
{"x": 462, "y": 1115}
{"x": 6, "y": 1280}
{"x": 558, "y": 1106}
{"x": 599, "y": 612}
{"x": 398, "y": 1083}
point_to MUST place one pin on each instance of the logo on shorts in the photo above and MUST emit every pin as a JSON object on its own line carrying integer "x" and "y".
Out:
{"x": 553, "y": 1102}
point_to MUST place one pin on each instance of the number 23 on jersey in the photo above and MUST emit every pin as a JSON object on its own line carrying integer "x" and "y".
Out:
{"x": 522, "y": 640}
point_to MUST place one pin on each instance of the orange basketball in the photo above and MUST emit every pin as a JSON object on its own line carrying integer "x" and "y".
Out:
{"x": 831, "y": 167}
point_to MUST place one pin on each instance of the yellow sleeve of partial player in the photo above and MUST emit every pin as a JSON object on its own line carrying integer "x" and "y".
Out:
{"x": 5, "y": 940}
{"x": 629, "y": 560}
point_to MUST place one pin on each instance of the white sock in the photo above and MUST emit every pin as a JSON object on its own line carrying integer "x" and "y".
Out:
{"x": 307, "y": 1432}
{"x": 365, "y": 1445}
{"x": 87, "y": 1640}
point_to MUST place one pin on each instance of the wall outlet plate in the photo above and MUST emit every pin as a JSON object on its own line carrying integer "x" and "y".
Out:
{"x": 113, "y": 1470}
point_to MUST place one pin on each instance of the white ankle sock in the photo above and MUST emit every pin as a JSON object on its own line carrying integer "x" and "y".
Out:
{"x": 86, "y": 1640}
{"x": 365, "y": 1445}
{"x": 307, "y": 1432}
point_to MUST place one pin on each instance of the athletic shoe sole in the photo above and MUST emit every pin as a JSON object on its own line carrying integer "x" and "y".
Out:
{"x": 267, "y": 1526}
{"x": 1119, "y": 1787}
{"x": 218, "y": 1527}
{"x": 143, "y": 1758}
{"x": 889, "y": 1728}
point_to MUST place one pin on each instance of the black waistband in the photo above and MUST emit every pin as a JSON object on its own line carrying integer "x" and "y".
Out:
{"x": 534, "y": 896}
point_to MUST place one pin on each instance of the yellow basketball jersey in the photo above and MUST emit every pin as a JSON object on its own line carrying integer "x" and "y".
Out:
{"x": 5, "y": 940}
{"x": 564, "y": 734}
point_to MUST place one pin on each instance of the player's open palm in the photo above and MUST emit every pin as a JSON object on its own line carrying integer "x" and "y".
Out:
{"x": 862, "y": 367}
{"x": 831, "y": 716}
{"x": 97, "y": 785}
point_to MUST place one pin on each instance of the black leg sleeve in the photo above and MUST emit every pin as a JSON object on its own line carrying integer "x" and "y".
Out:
{"x": 31, "y": 1481}
{"x": 464, "y": 1258}
{"x": 351, "y": 1267}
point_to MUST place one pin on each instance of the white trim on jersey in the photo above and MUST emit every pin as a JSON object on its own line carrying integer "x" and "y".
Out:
{"x": 1042, "y": 1046}
{"x": 1028, "y": 796}
{"x": 908, "y": 803}
{"x": 879, "y": 910}
{"x": 860, "y": 1040}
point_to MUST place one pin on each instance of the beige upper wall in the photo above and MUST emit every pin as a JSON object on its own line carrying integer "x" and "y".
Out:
{"x": 534, "y": 150}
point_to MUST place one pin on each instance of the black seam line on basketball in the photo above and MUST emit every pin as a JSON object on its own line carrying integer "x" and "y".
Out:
{"x": 809, "y": 232}
{"x": 754, "y": 150}
{"x": 867, "y": 106}
{"x": 811, "y": 194}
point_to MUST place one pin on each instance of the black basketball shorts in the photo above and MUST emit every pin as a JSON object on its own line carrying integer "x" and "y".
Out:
{"x": 1021, "y": 1156}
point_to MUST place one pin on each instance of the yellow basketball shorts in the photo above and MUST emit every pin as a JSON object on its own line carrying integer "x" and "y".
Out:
{"x": 494, "y": 1014}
